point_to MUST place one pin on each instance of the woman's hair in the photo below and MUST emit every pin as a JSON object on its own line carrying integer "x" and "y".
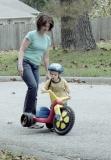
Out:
{"x": 43, "y": 20}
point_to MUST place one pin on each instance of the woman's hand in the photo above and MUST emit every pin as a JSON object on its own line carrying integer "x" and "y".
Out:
{"x": 20, "y": 69}
{"x": 23, "y": 47}
{"x": 46, "y": 63}
{"x": 47, "y": 76}
{"x": 43, "y": 90}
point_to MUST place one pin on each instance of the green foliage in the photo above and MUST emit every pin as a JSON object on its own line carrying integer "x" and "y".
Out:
{"x": 101, "y": 8}
{"x": 38, "y": 4}
{"x": 60, "y": 7}
{"x": 72, "y": 8}
{"x": 65, "y": 8}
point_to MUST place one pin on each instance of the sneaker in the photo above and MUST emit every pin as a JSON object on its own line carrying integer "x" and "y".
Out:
{"x": 36, "y": 126}
{"x": 58, "y": 117}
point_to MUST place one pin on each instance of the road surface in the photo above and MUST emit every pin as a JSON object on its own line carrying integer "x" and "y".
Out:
{"x": 89, "y": 139}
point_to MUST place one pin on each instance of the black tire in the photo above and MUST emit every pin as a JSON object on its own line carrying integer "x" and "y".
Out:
{"x": 27, "y": 120}
{"x": 49, "y": 125}
{"x": 71, "y": 115}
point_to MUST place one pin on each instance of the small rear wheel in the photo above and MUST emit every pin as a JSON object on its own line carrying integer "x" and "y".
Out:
{"x": 27, "y": 120}
{"x": 68, "y": 119}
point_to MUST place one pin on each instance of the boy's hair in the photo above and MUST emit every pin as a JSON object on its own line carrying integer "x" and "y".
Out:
{"x": 49, "y": 83}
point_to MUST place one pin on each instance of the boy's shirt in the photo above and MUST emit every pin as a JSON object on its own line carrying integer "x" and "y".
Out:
{"x": 61, "y": 88}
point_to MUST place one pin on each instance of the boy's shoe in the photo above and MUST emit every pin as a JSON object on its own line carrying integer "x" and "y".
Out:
{"x": 52, "y": 129}
{"x": 58, "y": 117}
{"x": 36, "y": 126}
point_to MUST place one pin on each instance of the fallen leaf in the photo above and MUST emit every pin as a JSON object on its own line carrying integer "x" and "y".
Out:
{"x": 13, "y": 93}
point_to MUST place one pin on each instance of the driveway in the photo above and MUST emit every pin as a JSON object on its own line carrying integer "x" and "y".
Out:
{"x": 89, "y": 139}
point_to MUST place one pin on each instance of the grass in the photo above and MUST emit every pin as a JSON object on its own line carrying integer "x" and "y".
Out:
{"x": 91, "y": 63}
{"x": 8, "y": 63}
{"x": 105, "y": 45}
{"x": 4, "y": 155}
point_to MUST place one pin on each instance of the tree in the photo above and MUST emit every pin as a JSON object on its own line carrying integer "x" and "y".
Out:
{"x": 76, "y": 32}
{"x": 101, "y": 8}
{"x": 80, "y": 36}
{"x": 38, "y": 4}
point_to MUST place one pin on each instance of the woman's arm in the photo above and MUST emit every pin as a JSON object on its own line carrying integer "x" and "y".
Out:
{"x": 45, "y": 86}
{"x": 46, "y": 62}
{"x": 23, "y": 47}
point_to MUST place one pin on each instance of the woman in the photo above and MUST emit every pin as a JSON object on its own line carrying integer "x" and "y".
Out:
{"x": 34, "y": 50}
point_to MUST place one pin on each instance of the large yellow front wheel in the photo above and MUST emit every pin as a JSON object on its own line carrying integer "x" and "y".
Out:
{"x": 65, "y": 125}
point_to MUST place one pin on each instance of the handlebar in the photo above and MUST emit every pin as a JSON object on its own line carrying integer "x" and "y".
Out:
{"x": 53, "y": 95}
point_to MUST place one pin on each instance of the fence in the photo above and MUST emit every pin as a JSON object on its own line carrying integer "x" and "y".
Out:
{"x": 101, "y": 28}
{"x": 11, "y": 35}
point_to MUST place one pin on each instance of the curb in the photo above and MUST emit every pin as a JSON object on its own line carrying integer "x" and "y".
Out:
{"x": 79, "y": 80}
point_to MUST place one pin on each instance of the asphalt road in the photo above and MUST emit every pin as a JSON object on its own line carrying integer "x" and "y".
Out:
{"x": 89, "y": 139}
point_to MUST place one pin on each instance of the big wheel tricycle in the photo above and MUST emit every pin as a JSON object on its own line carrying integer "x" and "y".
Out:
{"x": 59, "y": 117}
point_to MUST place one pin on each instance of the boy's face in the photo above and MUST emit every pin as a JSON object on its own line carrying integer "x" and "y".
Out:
{"x": 54, "y": 75}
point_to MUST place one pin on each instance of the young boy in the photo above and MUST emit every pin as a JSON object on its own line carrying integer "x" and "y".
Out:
{"x": 56, "y": 83}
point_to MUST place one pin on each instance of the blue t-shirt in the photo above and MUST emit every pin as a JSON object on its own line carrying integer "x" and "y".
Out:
{"x": 38, "y": 46}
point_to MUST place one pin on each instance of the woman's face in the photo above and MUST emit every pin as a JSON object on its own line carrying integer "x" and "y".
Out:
{"x": 54, "y": 75}
{"x": 45, "y": 28}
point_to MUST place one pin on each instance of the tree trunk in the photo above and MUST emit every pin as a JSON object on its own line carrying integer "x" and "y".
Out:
{"x": 77, "y": 34}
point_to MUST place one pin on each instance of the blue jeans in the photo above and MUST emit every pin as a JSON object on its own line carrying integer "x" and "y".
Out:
{"x": 31, "y": 78}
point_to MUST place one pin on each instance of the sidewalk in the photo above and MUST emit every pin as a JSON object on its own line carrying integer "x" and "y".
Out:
{"x": 84, "y": 80}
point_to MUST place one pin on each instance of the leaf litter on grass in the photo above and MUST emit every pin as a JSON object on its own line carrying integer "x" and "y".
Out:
{"x": 76, "y": 63}
{"x": 5, "y": 155}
